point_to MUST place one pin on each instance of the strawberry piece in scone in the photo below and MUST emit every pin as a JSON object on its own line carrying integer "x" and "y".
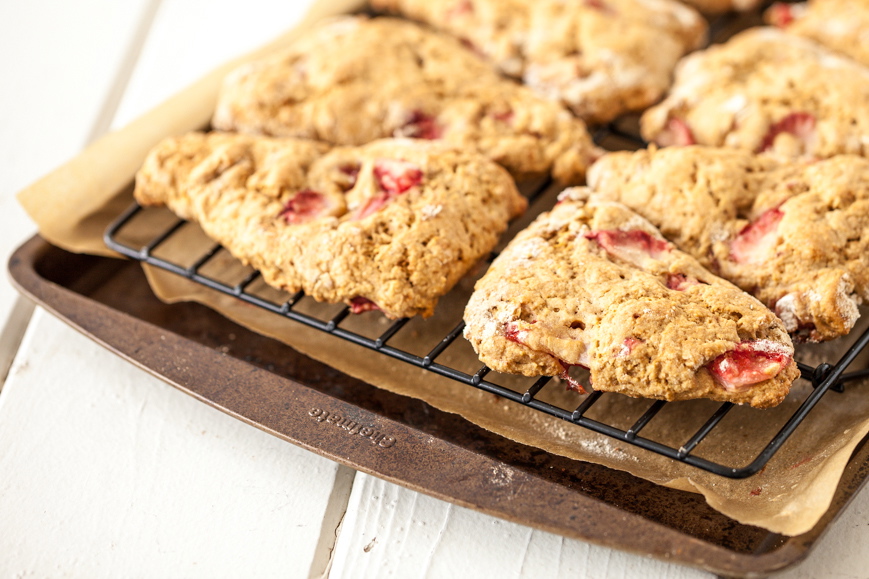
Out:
{"x": 389, "y": 226}
{"x": 750, "y": 363}
{"x": 634, "y": 246}
{"x": 393, "y": 177}
{"x": 794, "y": 234}
{"x": 677, "y": 133}
{"x": 593, "y": 284}
{"x": 754, "y": 243}
{"x": 799, "y": 125}
{"x": 782, "y": 14}
{"x": 304, "y": 206}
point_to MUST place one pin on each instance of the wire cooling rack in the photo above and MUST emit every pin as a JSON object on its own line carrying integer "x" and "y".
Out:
{"x": 151, "y": 248}
{"x": 621, "y": 134}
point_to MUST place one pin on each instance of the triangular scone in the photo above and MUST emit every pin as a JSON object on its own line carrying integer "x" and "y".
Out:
{"x": 837, "y": 24}
{"x": 601, "y": 58}
{"x": 355, "y": 80}
{"x": 795, "y": 235}
{"x": 593, "y": 284}
{"x": 764, "y": 90}
{"x": 392, "y": 225}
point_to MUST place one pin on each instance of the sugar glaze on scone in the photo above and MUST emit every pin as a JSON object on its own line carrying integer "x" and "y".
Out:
{"x": 841, "y": 25}
{"x": 392, "y": 225}
{"x": 795, "y": 235}
{"x": 600, "y": 57}
{"x": 354, "y": 80}
{"x": 593, "y": 284}
{"x": 765, "y": 90}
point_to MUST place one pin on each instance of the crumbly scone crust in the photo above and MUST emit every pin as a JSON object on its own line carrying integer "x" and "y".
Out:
{"x": 601, "y": 58}
{"x": 766, "y": 90}
{"x": 569, "y": 302}
{"x": 402, "y": 256}
{"x": 810, "y": 220}
{"x": 841, "y": 25}
{"x": 354, "y": 80}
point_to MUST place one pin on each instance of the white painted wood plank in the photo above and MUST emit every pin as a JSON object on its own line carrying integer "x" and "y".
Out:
{"x": 841, "y": 553}
{"x": 58, "y": 62}
{"x": 105, "y": 470}
{"x": 191, "y": 37}
{"x": 390, "y": 531}
{"x": 108, "y": 472}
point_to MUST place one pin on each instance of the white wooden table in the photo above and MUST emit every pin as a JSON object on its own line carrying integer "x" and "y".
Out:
{"x": 106, "y": 471}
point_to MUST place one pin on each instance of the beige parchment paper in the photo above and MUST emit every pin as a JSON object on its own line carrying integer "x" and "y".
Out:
{"x": 75, "y": 203}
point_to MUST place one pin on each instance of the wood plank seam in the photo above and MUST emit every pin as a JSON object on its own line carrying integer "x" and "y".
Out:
{"x": 12, "y": 334}
{"x": 336, "y": 508}
{"x": 118, "y": 88}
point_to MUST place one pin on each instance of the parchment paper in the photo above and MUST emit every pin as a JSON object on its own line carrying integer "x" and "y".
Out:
{"x": 74, "y": 204}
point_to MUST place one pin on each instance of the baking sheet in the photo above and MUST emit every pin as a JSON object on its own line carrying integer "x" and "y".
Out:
{"x": 74, "y": 204}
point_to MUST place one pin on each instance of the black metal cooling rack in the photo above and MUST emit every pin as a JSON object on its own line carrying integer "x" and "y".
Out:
{"x": 824, "y": 377}
{"x": 621, "y": 134}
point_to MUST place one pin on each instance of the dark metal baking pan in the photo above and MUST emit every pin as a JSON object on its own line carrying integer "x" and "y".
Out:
{"x": 269, "y": 385}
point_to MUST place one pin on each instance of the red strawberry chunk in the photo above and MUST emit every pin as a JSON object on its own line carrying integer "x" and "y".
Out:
{"x": 505, "y": 116}
{"x": 351, "y": 170}
{"x": 359, "y": 305}
{"x": 628, "y": 346}
{"x": 800, "y": 124}
{"x": 634, "y": 246}
{"x": 304, "y": 206}
{"x": 681, "y": 282}
{"x": 600, "y": 6}
{"x": 676, "y": 133}
{"x": 396, "y": 177}
{"x": 572, "y": 383}
{"x": 460, "y": 8}
{"x": 781, "y": 14}
{"x": 756, "y": 239}
{"x": 421, "y": 125}
{"x": 749, "y": 363}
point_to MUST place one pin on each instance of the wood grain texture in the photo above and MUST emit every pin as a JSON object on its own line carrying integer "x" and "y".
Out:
{"x": 110, "y": 472}
{"x": 59, "y": 61}
{"x": 389, "y": 531}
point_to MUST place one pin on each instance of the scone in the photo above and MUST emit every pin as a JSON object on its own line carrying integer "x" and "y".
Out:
{"x": 765, "y": 90}
{"x": 354, "y": 80}
{"x": 796, "y": 235}
{"x": 841, "y": 25}
{"x": 599, "y": 57}
{"x": 392, "y": 225}
{"x": 593, "y": 284}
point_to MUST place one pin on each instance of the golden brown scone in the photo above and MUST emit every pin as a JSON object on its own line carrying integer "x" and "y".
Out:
{"x": 593, "y": 284}
{"x": 841, "y": 25}
{"x": 392, "y": 225}
{"x": 600, "y": 57}
{"x": 796, "y": 235}
{"x": 765, "y": 90}
{"x": 355, "y": 80}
